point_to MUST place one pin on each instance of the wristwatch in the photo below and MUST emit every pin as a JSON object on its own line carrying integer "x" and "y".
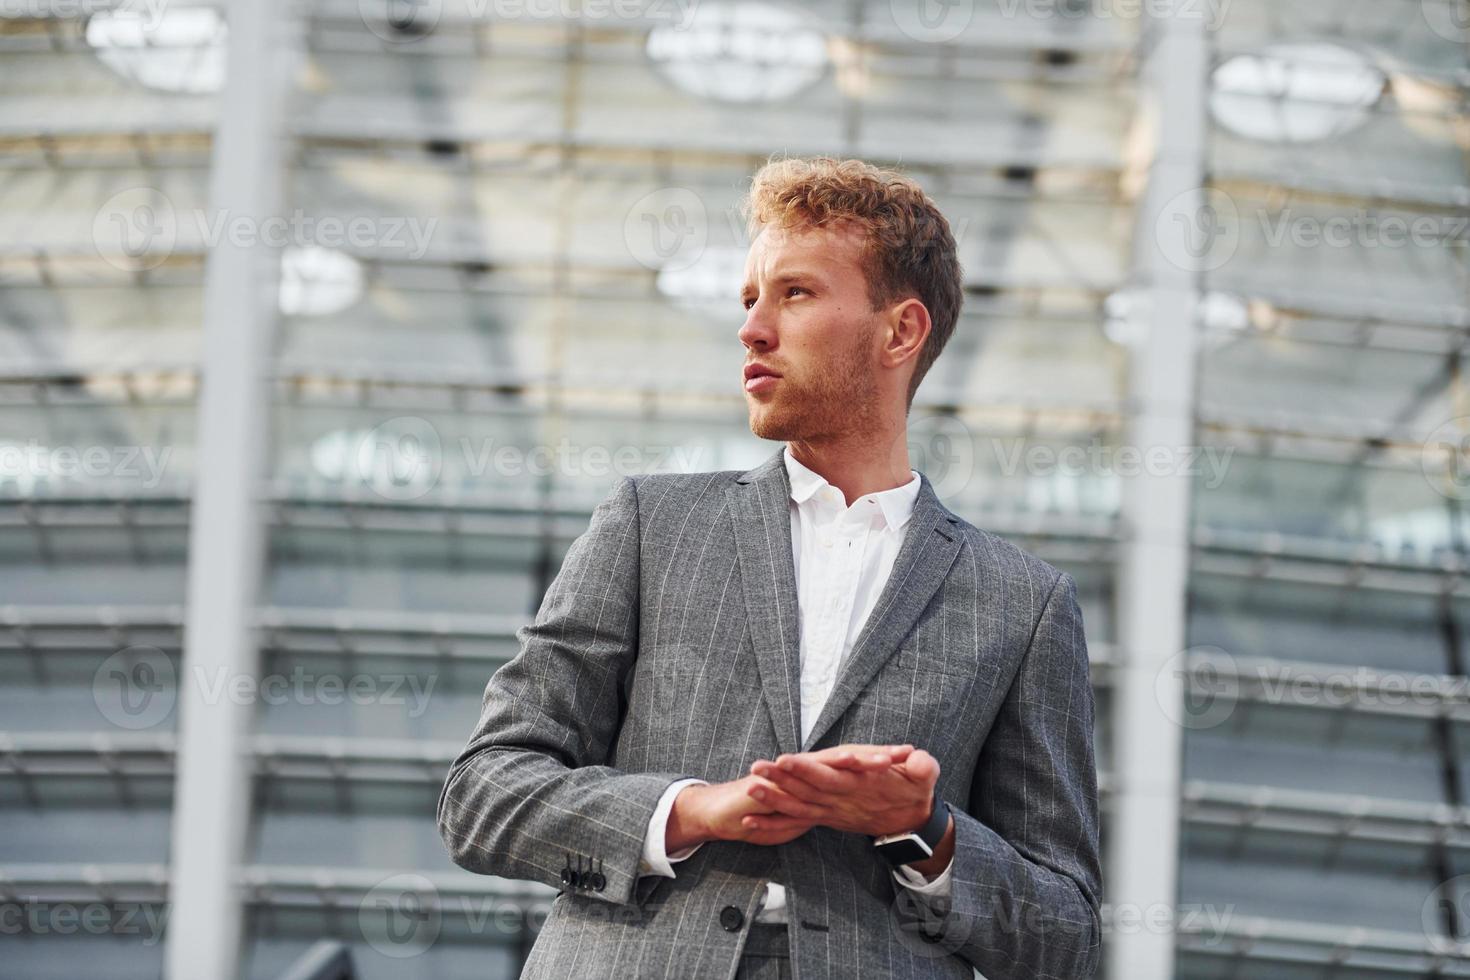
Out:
{"x": 916, "y": 845}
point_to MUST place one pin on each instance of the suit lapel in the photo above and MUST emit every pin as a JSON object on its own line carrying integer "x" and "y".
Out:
{"x": 930, "y": 544}
{"x": 760, "y": 506}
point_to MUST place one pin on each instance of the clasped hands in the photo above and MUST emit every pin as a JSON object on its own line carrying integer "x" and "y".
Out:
{"x": 863, "y": 789}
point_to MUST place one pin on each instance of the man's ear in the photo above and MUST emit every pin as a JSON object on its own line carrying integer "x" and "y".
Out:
{"x": 907, "y": 328}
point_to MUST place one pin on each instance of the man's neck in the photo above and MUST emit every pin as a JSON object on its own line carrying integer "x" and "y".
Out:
{"x": 857, "y": 466}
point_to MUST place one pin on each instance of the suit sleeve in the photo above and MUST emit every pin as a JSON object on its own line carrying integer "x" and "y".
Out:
{"x": 1026, "y": 878}
{"x": 531, "y": 794}
{"x": 921, "y": 884}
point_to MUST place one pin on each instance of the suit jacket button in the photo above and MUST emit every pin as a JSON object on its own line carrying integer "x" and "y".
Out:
{"x": 731, "y": 918}
{"x": 598, "y": 881}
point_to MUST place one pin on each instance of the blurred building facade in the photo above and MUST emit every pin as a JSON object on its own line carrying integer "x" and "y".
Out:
{"x": 326, "y": 324}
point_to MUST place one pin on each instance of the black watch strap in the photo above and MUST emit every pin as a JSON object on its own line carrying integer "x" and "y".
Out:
{"x": 901, "y": 849}
{"x": 933, "y": 831}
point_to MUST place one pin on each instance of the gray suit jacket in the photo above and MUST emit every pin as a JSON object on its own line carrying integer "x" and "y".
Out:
{"x": 667, "y": 647}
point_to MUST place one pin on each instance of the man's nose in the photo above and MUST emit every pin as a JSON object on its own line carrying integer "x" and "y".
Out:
{"x": 757, "y": 331}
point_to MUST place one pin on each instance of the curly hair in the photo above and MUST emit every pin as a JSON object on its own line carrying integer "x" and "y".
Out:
{"x": 908, "y": 249}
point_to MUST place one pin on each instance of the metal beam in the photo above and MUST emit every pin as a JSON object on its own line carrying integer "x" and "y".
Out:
{"x": 1142, "y": 860}
{"x": 212, "y": 788}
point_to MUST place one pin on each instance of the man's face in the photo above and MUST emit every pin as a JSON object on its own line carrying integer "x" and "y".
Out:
{"x": 809, "y": 321}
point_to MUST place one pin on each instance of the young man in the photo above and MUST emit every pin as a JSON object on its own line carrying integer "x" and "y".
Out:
{"x": 859, "y": 726}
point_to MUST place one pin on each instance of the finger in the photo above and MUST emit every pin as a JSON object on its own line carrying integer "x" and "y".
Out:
{"x": 843, "y": 758}
{"x": 775, "y": 823}
{"x": 863, "y": 748}
{"x": 921, "y": 767}
{"x": 770, "y": 794}
{"x": 818, "y": 774}
{"x": 781, "y": 768}
{"x": 789, "y": 781}
{"x": 864, "y": 757}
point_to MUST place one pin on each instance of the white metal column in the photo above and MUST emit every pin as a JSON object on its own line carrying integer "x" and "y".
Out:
{"x": 212, "y": 781}
{"x": 1142, "y": 859}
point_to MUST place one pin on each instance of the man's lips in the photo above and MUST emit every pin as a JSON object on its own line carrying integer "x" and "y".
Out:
{"x": 762, "y": 382}
{"x": 758, "y": 377}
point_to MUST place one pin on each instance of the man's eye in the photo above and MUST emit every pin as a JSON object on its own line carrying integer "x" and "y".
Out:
{"x": 747, "y": 303}
{"x": 795, "y": 289}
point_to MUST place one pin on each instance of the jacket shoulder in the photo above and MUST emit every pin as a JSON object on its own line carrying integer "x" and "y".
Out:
{"x": 666, "y": 497}
{"x": 700, "y": 482}
{"x": 1014, "y": 561}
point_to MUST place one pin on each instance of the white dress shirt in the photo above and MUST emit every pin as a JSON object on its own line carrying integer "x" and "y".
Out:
{"x": 843, "y": 556}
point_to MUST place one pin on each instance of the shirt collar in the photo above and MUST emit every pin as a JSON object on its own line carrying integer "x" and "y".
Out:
{"x": 896, "y": 504}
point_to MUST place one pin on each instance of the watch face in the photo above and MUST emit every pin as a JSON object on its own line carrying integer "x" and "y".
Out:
{"x": 905, "y": 851}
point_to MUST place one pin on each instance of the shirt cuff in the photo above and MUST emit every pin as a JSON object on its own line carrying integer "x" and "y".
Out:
{"x": 915, "y": 881}
{"x": 656, "y": 860}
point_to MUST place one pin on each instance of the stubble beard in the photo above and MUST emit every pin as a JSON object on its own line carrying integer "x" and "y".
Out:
{"x": 837, "y": 399}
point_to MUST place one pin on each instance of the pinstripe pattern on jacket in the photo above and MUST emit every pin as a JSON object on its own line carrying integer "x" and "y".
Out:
{"x": 667, "y": 647}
